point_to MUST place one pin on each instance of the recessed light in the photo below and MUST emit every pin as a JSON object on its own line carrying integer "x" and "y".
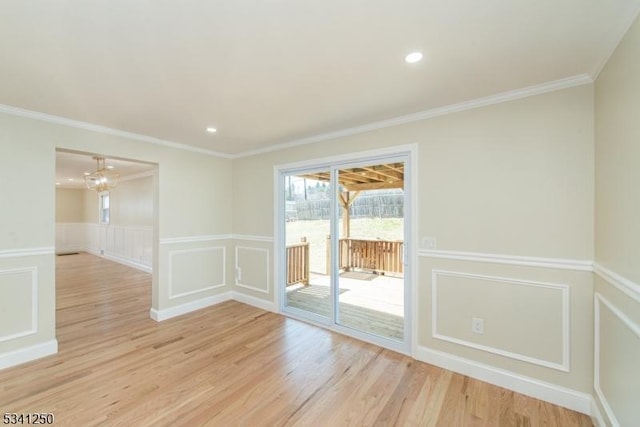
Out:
{"x": 109, "y": 167}
{"x": 87, "y": 174}
{"x": 212, "y": 130}
{"x": 70, "y": 179}
{"x": 57, "y": 183}
{"x": 413, "y": 57}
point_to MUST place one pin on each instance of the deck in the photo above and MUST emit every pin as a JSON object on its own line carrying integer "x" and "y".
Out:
{"x": 369, "y": 302}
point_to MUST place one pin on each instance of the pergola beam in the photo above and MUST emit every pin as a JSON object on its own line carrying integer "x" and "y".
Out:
{"x": 388, "y": 174}
{"x": 375, "y": 186}
{"x": 366, "y": 178}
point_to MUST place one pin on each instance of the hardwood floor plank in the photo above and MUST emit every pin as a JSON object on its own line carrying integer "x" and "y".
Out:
{"x": 232, "y": 364}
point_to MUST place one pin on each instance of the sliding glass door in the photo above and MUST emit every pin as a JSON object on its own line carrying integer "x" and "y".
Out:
{"x": 342, "y": 247}
{"x": 370, "y": 280}
{"x": 307, "y": 252}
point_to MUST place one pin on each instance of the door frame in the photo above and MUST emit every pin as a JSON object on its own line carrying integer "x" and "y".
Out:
{"x": 409, "y": 154}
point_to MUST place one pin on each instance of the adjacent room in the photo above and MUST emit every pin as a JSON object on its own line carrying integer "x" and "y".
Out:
{"x": 298, "y": 214}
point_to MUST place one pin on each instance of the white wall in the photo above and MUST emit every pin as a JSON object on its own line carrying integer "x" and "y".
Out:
{"x": 70, "y": 226}
{"x": 513, "y": 179}
{"x": 69, "y": 205}
{"x": 132, "y": 202}
{"x": 617, "y": 302}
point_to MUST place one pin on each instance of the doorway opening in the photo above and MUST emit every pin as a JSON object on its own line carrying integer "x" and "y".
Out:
{"x": 109, "y": 241}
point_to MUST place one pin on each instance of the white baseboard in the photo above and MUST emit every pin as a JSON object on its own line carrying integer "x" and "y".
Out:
{"x": 168, "y": 313}
{"x": 596, "y": 414}
{"x": 68, "y": 249}
{"x": 28, "y": 354}
{"x": 551, "y": 393}
{"x": 253, "y": 301}
{"x": 120, "y": 260}
{"x": 128, "y": 262}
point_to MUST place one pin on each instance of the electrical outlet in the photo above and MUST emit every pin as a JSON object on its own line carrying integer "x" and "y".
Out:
{"x": 477, "y": 325}
{"x": 428, "y": 242}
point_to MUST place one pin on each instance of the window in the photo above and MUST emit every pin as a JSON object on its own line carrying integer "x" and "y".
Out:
{"x": 104, "y": 207}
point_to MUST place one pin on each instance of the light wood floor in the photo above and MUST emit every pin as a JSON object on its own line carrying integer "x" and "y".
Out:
{"x": 233, "y": 364}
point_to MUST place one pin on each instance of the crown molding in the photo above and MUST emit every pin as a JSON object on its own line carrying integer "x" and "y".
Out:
{"x": 569, "y": 82}
{"x": 498, "y": 98}
{"x": 49, "y": 118}
{"x": 615, "y": 36}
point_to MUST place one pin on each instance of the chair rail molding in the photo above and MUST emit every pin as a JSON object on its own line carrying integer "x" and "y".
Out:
{"x": 193, "y": 239}
{"x": 253, "y": 238}
{"x": 623, "y": 284}
{"x": 526, "y": 261}
{"x": 24, "y": 252}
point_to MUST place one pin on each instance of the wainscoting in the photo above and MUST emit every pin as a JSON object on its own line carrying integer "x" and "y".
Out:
{"x": 132, "y": 246}
{"x": 27, "y": 312}
{"x": 196, "y": 270}
{"x": 533, "y": 308}
{"x": 19, "y": 290}
{"x": 535, "y": 316}
{"x": 253, "y": 263}
{"x": 252, "y": 269}
{"x": 192, "y": 274}
{"x": 616, "y": 378}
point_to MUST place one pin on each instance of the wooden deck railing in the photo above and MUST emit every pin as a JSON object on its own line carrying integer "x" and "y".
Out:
{"x": 298, "y": 263}
{"x": 383, "y": 256}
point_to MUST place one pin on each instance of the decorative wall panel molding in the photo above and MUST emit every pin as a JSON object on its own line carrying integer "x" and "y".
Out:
{"x": 481, "y": 278}
{"x": 601, "y": 302}
{"x": 258, "y": 287}
{"x": 217, "y": 255}
{"x": 32, "y": 273}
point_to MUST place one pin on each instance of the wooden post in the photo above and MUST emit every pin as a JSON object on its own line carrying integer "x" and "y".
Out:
{"x": 346, "y": 200}
{"x": 305, "y": 280}
{"x": 328, "y": 251}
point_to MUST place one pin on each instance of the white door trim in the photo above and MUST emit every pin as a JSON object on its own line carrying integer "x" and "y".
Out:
{"x": 408, "y": 154}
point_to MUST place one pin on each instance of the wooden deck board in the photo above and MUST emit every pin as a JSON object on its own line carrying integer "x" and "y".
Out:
{"x": 233, "y": 364}
{"x": 374, "y": 304}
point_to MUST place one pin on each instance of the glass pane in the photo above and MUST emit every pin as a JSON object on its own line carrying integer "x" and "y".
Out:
{"x": 371, "y": 270}
{"x": 307, "y": 236}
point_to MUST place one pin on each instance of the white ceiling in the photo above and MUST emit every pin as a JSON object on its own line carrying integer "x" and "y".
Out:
{"x": 268, "y": 72}
{"x": 71, "y": 167}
